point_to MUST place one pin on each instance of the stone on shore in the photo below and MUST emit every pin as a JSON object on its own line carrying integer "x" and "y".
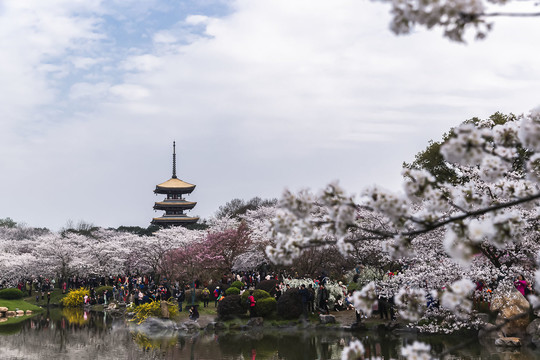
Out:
{"x": 511, "y": 303}
{"x": 508, "y": 342}
{"x": 255, "y": 322}
{"x": 327, "y": 319}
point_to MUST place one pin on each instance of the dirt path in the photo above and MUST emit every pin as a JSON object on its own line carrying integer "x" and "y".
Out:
{"x": 345, "y": 317}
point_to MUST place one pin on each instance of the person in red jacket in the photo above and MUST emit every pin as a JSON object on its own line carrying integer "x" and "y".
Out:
{"x": 252, "y": 302}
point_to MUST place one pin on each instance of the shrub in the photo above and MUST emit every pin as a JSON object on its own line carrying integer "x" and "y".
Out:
{"x": 289, "y": 305}
{"x": 268, "y": 285}
{"x": 232, "y": 291}
{"x": 238, "y": 284}
{"x": 11, "y": 294}
{"x": 230, "y": 307}
{"x": 143, "y": 311}
{"x": 265, "y": 307}
{"x": 100, "y": 290}
{"x": 75, "y": 297}
{"x": 257, "y": 294}
{"x": 198, "y": 296}
{"x": 354, "y": 286}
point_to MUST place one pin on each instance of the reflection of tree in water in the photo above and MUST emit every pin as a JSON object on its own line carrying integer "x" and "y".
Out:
{"x": 384, "y": 345}
{"x": 160, "y": 344}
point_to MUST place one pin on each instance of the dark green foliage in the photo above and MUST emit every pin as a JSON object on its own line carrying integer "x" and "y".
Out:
{"x": 237, "y": 207}
{"x": 7, "y": 222}
{"x": 431, "y": 160}
{"x": 232, "y": 291}
{"x": 289, "y": 305}
{"x": 265, "y": 307}
{"x": 81, "y": 228}
{"x": 268, "y": 285}
{"x": 100, "y": 290}
{"x": 257, "y": 294}
{"x": 11, "y": 294}
{"x": 238, "y": 284}
{"x": 260, "y": 294}
{"x": 230, "y": 307}
{"x": 200, "y": 225}
{"x": 354, "y": 286}
{"x": 137, "y": 230}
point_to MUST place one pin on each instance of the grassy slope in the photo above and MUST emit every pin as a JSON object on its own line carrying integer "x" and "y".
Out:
{"x": 20, "y": 304}
{"x": 56, "y": 296}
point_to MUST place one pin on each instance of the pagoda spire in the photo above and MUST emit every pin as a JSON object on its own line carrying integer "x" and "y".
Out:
{"x": 174, "y": 160}
{"x": 174, "y": 203}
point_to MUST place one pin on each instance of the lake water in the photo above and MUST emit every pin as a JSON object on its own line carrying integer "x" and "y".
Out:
{"x": 75, "y": 334}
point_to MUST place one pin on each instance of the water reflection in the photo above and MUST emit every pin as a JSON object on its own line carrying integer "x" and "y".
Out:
{"x": 75, "y": 334}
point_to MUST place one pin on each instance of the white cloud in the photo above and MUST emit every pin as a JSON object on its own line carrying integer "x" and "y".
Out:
{"x": 276, "y": 93}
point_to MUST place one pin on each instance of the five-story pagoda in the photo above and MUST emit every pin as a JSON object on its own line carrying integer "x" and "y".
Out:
{"x": 174, "y": 204}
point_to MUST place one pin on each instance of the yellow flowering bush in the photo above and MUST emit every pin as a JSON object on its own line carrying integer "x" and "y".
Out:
{"x": 75, "y": 298}
{"x": 143, "y": 311}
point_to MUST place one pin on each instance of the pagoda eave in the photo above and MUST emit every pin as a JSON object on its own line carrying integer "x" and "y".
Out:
{"x": 171, "y": 190}
{"x": 173, "y": 207}
{"x": 174, "y": 220}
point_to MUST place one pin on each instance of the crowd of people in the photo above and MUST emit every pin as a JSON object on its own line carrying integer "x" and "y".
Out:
{"x": 141, "y": 289}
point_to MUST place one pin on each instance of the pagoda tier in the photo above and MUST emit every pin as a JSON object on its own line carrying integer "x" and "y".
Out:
{"x": 168, "y": 220}
{"x": 174, "y": 205}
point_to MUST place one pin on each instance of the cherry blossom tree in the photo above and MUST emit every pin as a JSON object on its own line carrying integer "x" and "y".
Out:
{"x": 486, "y": 224}
{"x": 455, "y": 18}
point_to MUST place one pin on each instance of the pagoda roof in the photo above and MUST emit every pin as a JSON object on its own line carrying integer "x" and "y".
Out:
{"x": 174, "y": 185}
{"x": 171, "y": 204}
{"x": 175, "y": 220}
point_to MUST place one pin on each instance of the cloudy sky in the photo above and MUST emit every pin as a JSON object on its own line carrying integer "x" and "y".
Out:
{"x": 259, "y": 96}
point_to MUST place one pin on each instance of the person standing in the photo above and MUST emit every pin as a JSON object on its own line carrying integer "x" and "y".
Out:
{"x": 521, "y": 284}
{"x": 180, "y": 297}
{"x": 217, "y": 293}
{"x": 304, "y": 296}
{"x": 252, "y": 303}
{"x": 206, "y": 296}
{"x": 323, "y": 299}
{"x": 311, "y": 305}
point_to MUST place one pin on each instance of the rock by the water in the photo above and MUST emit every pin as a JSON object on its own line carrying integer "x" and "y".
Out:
{"x": 220, "y": 326}
{"x": 154, "y": 327}
{"x": 19, "y": 312}
{"x": 327, "y": 319}
{"x": 508, "y": 342}
{"x": 533, "y": 331}
{"x": 29, "y": 312}
{"x": 190, "y": 326}
{"x": 488, "y": 334}
{"x": 510, "y": 303}
{"x": 3, "y": 309}
{"x": 10, "y": 313}
{"x": 256, "y": 321}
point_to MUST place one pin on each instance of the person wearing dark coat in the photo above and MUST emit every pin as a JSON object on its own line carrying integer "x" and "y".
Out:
{"x": 323, "y": 299}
